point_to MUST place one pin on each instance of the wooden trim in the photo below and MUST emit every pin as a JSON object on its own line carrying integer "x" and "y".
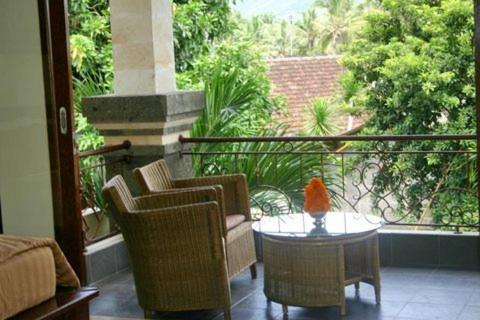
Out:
{"x": 64, "y": 167}
{"x": 66, "y": 304}
{"x": 50, "y": 105}
{"x": 1, "y": 223}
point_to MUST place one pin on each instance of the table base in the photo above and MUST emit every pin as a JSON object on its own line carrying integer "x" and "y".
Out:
{"x": 313, "y": 272}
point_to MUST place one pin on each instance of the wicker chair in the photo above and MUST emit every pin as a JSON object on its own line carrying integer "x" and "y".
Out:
{"x": 232, "y": 197}
{"x": 176, "y": 248}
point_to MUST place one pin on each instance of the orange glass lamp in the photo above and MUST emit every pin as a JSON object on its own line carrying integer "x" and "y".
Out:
{"x": 317, "y": 202}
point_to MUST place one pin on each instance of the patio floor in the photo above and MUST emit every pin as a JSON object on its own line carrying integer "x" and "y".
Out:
{"x": 406, "y": 294}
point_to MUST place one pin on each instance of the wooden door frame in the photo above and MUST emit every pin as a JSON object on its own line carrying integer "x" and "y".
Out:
{"x": 1, "y": 223}
{"x": 64, "y": 167}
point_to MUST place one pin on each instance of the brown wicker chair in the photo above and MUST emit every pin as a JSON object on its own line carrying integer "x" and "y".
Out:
{"x": 232, "y": 197}
{"x": 176, "y": 248}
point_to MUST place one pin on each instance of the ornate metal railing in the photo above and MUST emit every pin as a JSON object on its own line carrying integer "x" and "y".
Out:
{"x": 420, "y": 181}
{"x": 94, "y": 168}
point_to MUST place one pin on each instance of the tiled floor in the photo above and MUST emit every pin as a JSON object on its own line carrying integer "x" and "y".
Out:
{"x": 406, "y": 294}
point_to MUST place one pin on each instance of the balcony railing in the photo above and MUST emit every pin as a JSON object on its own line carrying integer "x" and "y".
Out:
{"x": 414, "y": 182}
{"x": 93, "y": 175}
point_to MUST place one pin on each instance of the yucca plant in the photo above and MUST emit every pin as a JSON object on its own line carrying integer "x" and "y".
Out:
{"x": 322, "y": 118}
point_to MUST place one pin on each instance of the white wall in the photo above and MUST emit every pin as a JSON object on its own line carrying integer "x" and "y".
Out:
{"x": 25, "y": 185}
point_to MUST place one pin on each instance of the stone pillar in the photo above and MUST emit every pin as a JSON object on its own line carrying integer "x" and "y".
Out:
{"x": 146, "y": 109}
{"x": 142, "y": 38}
{"x": 152, "y": 123}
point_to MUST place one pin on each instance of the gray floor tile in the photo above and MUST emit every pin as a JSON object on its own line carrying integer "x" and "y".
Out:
{"x": 430, "y": 311}
{"x": 409, "y": 271}
{"x": 452, "y": 282}
{"x": 472, "y": 274}
{"x": 389, "y": 292}
{"x": 325, "y": 313}
{"x": 190, "y": 315}
{"x": 474, "y": 299}
{"x": 251, "y": 314}
{"x": 443, "y": 295}
{"x": 470, "y": 313}
{"x": 370, "y": 310}
{"x": 258, "y": 301}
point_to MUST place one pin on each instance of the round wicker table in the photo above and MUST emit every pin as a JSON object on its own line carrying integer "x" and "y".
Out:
{"x": 309, "y": 265}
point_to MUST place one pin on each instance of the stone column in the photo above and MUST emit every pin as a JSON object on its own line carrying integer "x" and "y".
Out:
{"x": 152, "y": 123}
{"x": 146, "y": 108}
{"x": 142, "y": 38}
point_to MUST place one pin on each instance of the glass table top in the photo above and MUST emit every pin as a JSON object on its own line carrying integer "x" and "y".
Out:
{"x": 302, "y": 224}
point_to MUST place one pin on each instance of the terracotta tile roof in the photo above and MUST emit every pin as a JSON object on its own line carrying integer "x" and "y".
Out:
{"x": 301, "y": 79}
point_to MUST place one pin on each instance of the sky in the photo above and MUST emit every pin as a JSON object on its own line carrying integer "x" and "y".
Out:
{"x": 280, "y": 8}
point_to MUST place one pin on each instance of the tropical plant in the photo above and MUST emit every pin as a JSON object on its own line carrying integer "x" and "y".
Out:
{"x": 87, "y": 137}
{"x": 91, "y": 53}
{"x": 284, "y": 40}
{"x": 236, "y": 84}
{"x": 341, "y": 19}
{"x": 309, "y": 29}
{"x": 92, "y": 177}
{"x": 322, "y": 118}
{"x": 322, "y": 29}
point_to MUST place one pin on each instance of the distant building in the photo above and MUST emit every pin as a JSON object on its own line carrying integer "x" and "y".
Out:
{"x": 301, "y": 80}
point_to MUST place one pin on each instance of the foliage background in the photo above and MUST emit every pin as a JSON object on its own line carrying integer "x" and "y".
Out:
{"x": 411, "y": 68}
{"x": 198, "y": 24}
{"x": 325, "y": 28}
{"x": 203, "y": 30}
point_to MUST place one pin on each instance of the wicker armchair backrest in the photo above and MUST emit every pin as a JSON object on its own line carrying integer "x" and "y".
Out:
{"x": 118, "y": 196}
{"x": 154, "y": 177}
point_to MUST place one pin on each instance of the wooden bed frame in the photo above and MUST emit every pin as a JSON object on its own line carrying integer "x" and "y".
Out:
{"x": 68, "y": 304}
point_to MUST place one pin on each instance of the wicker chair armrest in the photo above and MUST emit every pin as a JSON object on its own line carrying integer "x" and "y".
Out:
{"x": 206, "y": 181}
{"x": 235, "y": 190}
{"x": 175, "y": 197}
{"x": 182, "y": 197}
{"x": 149, "y": 223}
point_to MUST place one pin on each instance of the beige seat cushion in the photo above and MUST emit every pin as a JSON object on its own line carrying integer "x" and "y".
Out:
{"x": 233, "y": 220}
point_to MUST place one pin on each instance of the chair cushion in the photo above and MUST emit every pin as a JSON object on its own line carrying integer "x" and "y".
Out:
{"x": 233, "y": 220}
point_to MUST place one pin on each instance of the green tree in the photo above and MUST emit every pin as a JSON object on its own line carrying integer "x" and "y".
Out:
{"x": 197, "y": 26}
{"x": 90, "y": 38}
{"x": 92, "y": 66}
{"x": 412, "y": 70}
{"x": 309, "y": 28}
{"x": 283, "y": 41}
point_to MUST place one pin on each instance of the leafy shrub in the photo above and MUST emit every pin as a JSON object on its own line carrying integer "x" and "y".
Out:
{"x": 412, "y": 70}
